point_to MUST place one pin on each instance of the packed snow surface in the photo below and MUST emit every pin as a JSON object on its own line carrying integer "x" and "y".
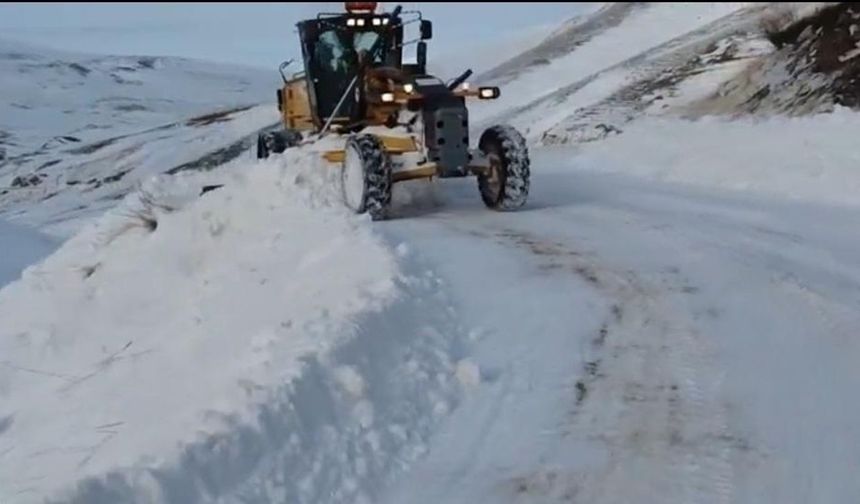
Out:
{"x": 645, "y": 341}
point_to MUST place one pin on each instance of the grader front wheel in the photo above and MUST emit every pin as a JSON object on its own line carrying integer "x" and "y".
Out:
{"x": 366, "y": 176}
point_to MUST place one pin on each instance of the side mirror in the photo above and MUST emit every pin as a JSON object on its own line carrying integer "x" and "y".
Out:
{"x": 426, "y": 29}
{"x": 282, "y": 67}
{"x": 421, "y": 56}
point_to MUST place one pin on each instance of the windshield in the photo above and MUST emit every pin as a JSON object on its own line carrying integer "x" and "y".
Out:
{"x": 335, "y": 61}
{"x": 337, "y": 51}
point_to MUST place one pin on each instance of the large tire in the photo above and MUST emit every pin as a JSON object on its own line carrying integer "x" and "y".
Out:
{"x": 366, "y": 176}
{"x": 276, "y": 142}
{"x": 262, "y": 149}
{"x": 506, "y": 185}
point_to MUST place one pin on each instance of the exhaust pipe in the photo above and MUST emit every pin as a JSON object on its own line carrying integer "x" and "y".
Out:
{"x": 459, "y": 80}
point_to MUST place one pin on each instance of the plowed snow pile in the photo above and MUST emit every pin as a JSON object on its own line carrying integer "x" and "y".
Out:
{"x": 184, "y": 349}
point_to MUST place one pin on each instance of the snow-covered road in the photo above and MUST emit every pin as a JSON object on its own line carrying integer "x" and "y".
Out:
{"x": 620, "y": 339}
{"x": 645, "y": 342}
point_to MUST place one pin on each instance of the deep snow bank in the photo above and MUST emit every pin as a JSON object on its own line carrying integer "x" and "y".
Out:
{"x": 258, "y": 343}
{"x": 813, "y": 158}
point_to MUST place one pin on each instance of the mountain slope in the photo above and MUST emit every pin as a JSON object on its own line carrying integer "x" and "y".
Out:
{"x": 706, "y": 59}
{"x": 78, "y": 131}
{"x": 610, "y": 36}
{"x": 49, "y": 94}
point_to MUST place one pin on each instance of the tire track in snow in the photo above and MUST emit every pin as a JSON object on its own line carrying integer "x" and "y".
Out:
{"x": 650, "y": 392}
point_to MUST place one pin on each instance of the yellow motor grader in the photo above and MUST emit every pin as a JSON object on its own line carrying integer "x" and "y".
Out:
{"x": 397, "y": 122}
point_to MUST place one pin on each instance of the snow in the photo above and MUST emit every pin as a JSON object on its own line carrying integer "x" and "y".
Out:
{"x": 740, "y": 52}
{"x": 671, "y": 318}
{"x": 468, "y": 373}
{"x": 809, "y": 158}
{"x": 646, "y": 341}
{"x": 75, "y": 189}
{"x": 48, "y": 93}
{"x": 91, "y": 128}
{"x": 634, "y": 35}
{"x": 83, "y": 402}
{"x": 450, "y": 62}
{"x": 21, "y": 247}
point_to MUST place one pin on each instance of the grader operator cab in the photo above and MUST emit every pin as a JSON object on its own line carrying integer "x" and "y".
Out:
{"x": 397, "y": 122}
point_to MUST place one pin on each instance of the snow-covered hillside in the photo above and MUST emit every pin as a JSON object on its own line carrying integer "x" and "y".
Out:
{"x": 599, "y": 72}
{"x": 50, "y": 94}
{"x": 671, "y": 318}
{"x": 575, "y": 64}
{"x": 78, "y": 131}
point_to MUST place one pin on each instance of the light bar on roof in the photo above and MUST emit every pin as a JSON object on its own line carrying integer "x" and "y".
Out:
{"x": 362, "y": 7}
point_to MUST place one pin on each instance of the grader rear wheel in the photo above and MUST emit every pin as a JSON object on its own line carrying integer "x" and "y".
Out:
{"x": 506, "y": 185}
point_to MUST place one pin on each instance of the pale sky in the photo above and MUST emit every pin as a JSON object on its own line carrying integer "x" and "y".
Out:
{"x": 259, "y": 34}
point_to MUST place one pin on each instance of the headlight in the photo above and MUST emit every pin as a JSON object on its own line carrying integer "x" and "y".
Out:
{"x": 350, "y": 22}
{"x": 387, "y": 97}
{"x": 359, "y": 21}
{"x": 488, "y": 93}
{"x": 377, "y": 21}
{"x": 408, "y": 88}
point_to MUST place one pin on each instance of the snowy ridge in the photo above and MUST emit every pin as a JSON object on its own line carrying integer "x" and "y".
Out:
{"x": 328, "y": 373}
